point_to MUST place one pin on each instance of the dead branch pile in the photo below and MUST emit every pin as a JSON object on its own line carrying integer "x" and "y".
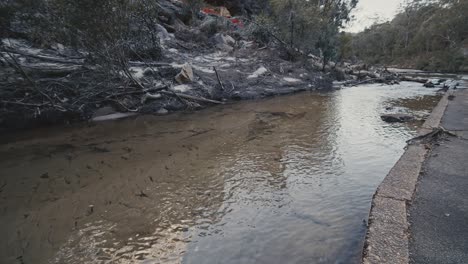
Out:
{"x": 38, "y": 89}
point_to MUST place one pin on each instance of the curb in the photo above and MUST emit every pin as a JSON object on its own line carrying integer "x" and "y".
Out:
{"x": 387, "y": 234}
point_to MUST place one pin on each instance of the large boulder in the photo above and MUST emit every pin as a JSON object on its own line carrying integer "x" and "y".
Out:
{"x": 396, "y": 118}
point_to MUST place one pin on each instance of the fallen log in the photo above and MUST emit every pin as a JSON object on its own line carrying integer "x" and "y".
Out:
{"x": 144, "y": 91}
{"x": 362, "y": 82}
{"x": 190, "y": 97}
{"x": 46, "y": 58}
{"x": 47, "y": 71}
{"x": 24, "y": 104}
{"x": 413, "y": 79}
{"x": 148, "y": 64}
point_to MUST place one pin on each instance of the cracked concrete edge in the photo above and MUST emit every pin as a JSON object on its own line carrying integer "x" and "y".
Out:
{"x": 387, "y": 239}
{"x": 436, "y": 115}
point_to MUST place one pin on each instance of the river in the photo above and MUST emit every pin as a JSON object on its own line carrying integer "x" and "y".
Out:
{"x": 282, "y": 180}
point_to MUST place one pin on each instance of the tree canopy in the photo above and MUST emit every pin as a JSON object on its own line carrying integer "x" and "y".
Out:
{"x": 429, "y": 35}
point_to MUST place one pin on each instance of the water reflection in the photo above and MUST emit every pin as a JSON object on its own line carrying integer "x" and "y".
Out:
{"x": 284, "y": 180}
{"x": 326, "y": 165}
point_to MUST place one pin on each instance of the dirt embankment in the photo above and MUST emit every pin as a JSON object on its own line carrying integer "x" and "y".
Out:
{"x": 209, "y": 62}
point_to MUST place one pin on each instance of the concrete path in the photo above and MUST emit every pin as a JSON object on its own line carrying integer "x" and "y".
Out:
{"x": 438, "y": 215}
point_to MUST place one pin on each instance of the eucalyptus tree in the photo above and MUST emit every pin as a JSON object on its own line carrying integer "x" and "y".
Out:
{"x": 312, "y": 26}
{"x": 429, "y": 35}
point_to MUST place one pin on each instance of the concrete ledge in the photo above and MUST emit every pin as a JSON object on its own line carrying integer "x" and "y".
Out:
{"x": 387, "y": 234}
{"x": 387, "y": 240}
{"x": 399, "y": 184}
{"x": 437, "y": 113}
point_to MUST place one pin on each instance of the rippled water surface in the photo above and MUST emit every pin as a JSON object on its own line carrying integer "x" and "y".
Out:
{"x": 282, "y": 180}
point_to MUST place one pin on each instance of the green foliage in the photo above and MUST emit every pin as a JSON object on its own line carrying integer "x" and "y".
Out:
{"x": 312, "y": 26}
{"x": 428, "y": 35}
{"x": 345, "y": 46}
{"x": 262, "y": 29}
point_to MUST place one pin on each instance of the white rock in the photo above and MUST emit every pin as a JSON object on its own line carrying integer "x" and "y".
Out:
{"x": 291, "y": 80}
{"x": 137, "y": 72}
{"x": 162, "y": 111}
{"x": 221, "y": 38}
{"x": 262, "y": 70}
{"x": 204, "y": 69}
{"x": 112, "y": 117}
{"x": 185, "y": 75}
{"x": 181, "y": 88}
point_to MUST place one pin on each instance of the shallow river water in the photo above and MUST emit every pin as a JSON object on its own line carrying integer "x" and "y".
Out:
{"x": 282, "y": 180}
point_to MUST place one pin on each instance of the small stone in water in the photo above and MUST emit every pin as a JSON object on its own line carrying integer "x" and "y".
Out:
{"x": 90, "y": 209}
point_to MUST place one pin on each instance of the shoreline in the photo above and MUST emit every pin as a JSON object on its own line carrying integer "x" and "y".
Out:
{"x": 114, "y": 116}
{"x": 387, "y": 236}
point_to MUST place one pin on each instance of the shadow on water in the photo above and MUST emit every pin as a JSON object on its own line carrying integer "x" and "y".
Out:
{"x": 283, "y": 180}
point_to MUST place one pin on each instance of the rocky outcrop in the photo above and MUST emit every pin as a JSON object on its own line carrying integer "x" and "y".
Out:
{"x": 396, "y": 118}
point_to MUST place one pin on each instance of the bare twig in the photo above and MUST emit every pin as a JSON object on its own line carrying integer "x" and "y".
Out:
{"x": 190, "y": 97}
{"x": 138, "y": 92}
{"x": 33, "y": 84}
{"x": 219, "y": 80}
{"x": 45, "y": 58}
{"x": 428, "y": 137}
{"x": 24, "y": 104}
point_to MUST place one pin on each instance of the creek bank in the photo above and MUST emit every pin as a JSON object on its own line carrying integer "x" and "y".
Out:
{"x": 395, "y": 227}
{"x": 43, "y": 86}
{"x": 213, "y": 61}
{"x": 387, "y": 238}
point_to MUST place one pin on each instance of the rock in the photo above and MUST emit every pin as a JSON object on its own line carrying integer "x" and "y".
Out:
{"x": 181, "y": 88}
{"x": 148, "y": 72}
{"x": 396, "y": 118}
{"x": 208, "y": 24}
{"x": 224, "y": 47}
{"x": 224, "y": 12}
{"x": 150, "y": 96}
{"x": 58, "y": 47}
{"x": 162, "y": 33}
{"x": 221, "y": 38}
{"x": 224, "y": 42}
{"x": 246, "y": 44}
{"x": 162, "y": 111}
{"x": 185, "y": 75}
{"x": 291, "y": 80}
{"x": 90, "y": 210}
{"x": 429, "y": 85}
{"x": 262, "y": 70}
{"x": 114, "y": 116}
{"x": 103, "y": 111}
